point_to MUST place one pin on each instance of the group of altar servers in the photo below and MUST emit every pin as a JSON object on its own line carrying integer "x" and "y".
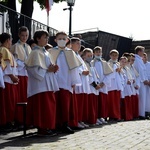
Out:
{"x": 65, "y": 87}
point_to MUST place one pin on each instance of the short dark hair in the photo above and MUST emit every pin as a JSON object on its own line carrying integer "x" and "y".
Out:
{"x": 22, "y": 29}
{"x": 4, "y": 36}
{"x": 31, "y": 41}
{"x": 38, "y": 34}
{"x": 82, "y": 48}
{"x": 48, "y": 46}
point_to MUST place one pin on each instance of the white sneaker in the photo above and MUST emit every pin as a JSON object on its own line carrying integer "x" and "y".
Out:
{"x": 80, "y": 125}
{"x": 98, "y": 122}
{"x": 103, "y": 120}
{"x": 85, "y": 125}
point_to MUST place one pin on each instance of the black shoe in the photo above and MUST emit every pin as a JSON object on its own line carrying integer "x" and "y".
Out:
{"x": 147, "y": 117}
{"x": 9, "y": 127}
{"x": 46, "y": 132}
{"x": 67, "y": 129}
{"x": 142, "y": 118}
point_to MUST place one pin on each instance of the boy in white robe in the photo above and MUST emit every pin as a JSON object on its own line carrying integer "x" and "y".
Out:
{"x": 21, "y": 51}
{"x": 135, "y": 86}
{"x": 126, "y": 99}
{"x": 81, "y": 92}
{"x": 147, "y": 65}
{"x": 116, "y": 86}
{"x": 42, "y": 83}
{"x": 94, "y": 87}
{"x": 141, "y": 69}
{"x": 67, "y": 77}
{"x": 103, "y": 70}
{"x": 9, "y": 95}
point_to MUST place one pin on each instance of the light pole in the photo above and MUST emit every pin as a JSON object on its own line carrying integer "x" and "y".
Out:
{"x": 70, "y": 4}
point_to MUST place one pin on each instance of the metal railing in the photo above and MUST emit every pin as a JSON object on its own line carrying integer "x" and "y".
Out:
{"x": 35, "y": 25}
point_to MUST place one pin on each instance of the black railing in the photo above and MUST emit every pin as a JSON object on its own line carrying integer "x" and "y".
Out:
{"x": 8, "y": 24}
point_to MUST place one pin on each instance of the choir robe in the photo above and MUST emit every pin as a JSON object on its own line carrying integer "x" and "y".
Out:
{"x": 9, "y": 95}
{"x": 41, "y": 107}
{"x": 82, "y": 93}
{"x": 21, "y": 51}
{"x": 114, "y": 94}
{"x": 134, "y": 97}
{"x": 126, "y": 95}
{"x": 93, "y": 95}
{"x": 103, "y": 70}
{"x": 141, "y": 69}
{"x": 67, "y": 76}
{"x": 147, "y": 109}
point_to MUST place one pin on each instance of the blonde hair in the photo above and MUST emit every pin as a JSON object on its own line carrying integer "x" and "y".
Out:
{"x": 113, "y": 51}
{"x": 97, "y": 48}
{"x": 145, "y": 54}
{"x": 139, "y": 48}
{"x": 123, "y": 57}
{"x": 87, "y": 50}
{"x": 61, "y": 33}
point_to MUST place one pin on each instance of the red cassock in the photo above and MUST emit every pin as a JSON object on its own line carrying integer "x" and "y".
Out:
{"x": 126, "y": 108}
{"x": 22, "y": 97}
{"x": 82, "y": 105}
{"x": 114, "y": 104}
{"x": 73, "y": 121}
{"x": 92, "y": 108}
{"x": 64, "y": 107}
{"x": 8, "y": 100}
{"x": 102, "y": 105}
{"x": 41, "y": 110}
{"x": 135, "y": 106}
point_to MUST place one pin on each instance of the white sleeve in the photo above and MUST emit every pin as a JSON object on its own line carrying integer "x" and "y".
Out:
{"x": 20, "y": 64}
{"x": 141, "y": 70}
{"x": 75, "y": 77}
{"x": 37, "y": 72}
{"x": 8, "y": 69}
{"x": 80, "y": 70}
{"x": 106, "y": 80}
{"x": 137, "y": 81}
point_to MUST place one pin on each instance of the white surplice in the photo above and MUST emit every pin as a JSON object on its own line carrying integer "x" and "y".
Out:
{"x": 85, "y": 87}
{"x": 67, "y": 78}
{"x": 141, "y": 69}
{"x": 21, "y": 51}
{"x": 147, "y": 109}
{"x": 116, "y": 80}
{"x": 102, "y": 78}
{"x": 39, "y": 80}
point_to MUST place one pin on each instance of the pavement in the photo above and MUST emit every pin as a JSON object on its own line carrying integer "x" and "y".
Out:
{"x": 131, "y": 135}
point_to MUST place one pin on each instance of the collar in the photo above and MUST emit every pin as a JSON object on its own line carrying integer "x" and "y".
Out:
{"x": 66, "y": 48}
{"x": 39, "y": 47}
{"x": 20, "y": 42}
{"x": 113, "y": 61}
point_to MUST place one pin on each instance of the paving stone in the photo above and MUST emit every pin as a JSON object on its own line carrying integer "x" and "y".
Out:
{"x": 132, "y": 135}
